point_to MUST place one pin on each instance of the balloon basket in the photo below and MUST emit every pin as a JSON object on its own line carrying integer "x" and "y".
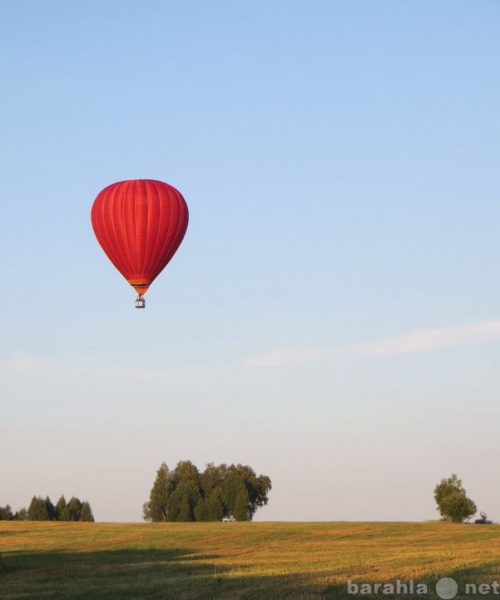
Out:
{"x": 140, "y": 302}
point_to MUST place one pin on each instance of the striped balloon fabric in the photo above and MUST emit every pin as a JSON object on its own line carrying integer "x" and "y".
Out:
{"x": 139, "y": 224}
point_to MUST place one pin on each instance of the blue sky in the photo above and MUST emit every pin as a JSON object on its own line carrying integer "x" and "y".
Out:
{"x": 331, "y": 317}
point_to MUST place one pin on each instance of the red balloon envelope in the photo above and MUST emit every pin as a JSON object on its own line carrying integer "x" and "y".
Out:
{"x": 140, "y": 224}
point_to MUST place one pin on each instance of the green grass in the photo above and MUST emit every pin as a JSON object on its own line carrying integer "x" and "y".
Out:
{"x": 237, "y": 561}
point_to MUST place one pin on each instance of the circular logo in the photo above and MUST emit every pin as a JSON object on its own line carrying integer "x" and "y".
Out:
{"x": 446, "y": 588}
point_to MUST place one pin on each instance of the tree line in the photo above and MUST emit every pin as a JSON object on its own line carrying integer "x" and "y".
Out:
{"x": 42, "y": 509}
{"x": 219, "y": 492}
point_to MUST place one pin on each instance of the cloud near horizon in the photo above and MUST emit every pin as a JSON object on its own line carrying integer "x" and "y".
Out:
{"x": 23, "y": 363}
{"x": 419, "y": 340}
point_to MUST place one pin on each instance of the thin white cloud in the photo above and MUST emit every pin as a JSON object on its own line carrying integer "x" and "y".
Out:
{"x": 24, "y": 362}
{"x": 420, "y": 340}
{"x": 20, "y": 362}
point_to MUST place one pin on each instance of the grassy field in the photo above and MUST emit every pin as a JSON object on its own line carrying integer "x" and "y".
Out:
{"x": 238, "y": 561}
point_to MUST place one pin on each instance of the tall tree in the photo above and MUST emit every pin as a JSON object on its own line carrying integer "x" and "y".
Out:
{"x": 213, "y": 477}
{"x": 86, "y": 513}
{"x": 60, "y": 509}
{"x": 452, "y": 501}
{"x": 211, "y": 507}
{"x": 184, "y": 471}
{"x": 51, "y": 509}
{"x": 74, "y": 509}
{"x": 184, "y": 491}
{"x": 245, "y": 503}
{"x": 183, "y": 501}
{"x": 157, "y": 508}
{"x": 6, "y": 513}
{"x": 21, "y": 515}
{"x": 38, "y": 509}
{"x": 236, "y": 496}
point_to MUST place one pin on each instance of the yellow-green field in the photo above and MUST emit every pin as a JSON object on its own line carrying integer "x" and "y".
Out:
{"x": 239, "y": 561}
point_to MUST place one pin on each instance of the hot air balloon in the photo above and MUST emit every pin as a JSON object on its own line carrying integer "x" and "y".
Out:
{"x": 139, "y": 224}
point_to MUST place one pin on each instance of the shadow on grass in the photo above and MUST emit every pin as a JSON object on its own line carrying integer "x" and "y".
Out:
{"x": 468, "y": 582}
{"x": 178, "y": 574}
{"x": 140, "y": 575}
